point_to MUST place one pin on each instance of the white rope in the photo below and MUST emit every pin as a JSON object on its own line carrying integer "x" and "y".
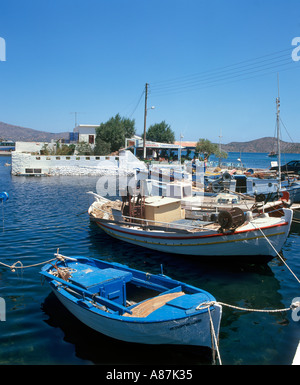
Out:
{"x": 277, "y": 252}
{"x": 13, "y": 266}
{"x": 214, "y": 336}
{"x": 207, "y": 305}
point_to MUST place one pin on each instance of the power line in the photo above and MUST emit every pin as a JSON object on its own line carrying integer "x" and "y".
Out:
{"x": 220, "y": 68}
{"x": 140, "y": 98}
{"x": 234, "y": 72}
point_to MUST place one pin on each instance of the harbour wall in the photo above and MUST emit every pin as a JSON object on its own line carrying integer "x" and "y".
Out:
{"x": 28, "y": 164}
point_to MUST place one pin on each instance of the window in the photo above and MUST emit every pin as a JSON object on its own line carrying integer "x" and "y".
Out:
{"x": 37, "y": 170}
{"x": 28, "y": 170}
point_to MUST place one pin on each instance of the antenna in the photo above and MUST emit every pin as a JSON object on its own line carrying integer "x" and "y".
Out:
{"x": 75, "y": 113}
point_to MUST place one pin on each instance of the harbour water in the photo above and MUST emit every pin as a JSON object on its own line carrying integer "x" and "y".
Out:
{"x": 46, "y": 213}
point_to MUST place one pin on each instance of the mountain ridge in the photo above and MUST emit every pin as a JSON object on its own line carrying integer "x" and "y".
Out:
{"x": 24, "y": 134}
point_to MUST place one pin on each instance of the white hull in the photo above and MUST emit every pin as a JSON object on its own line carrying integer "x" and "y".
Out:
{"x": 248, "y": 240}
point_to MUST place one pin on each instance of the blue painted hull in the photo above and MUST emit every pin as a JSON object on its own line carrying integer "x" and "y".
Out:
{"x": 177, "y": 321}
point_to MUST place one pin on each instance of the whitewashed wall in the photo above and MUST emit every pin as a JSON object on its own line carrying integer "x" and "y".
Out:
{"x": 26, "y": 164}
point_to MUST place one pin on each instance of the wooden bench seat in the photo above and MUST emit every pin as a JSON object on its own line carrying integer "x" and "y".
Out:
{"x": 145, "y": 308}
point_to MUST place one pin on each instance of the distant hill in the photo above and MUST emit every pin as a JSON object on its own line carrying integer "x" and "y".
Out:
{"x": 23, "y": 134}
{"x": 266, "y": 144}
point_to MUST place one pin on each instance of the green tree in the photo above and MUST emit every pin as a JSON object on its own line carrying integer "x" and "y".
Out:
{"x": 206, "y": 148}
{"x": 101, "y": 147}
{"x": 160, "y": 132}
{"x": 83, "y": 148}
{"x": 114, "y": 132}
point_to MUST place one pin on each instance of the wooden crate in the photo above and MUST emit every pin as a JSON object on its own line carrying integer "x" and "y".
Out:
{"x": 162, "y": 209}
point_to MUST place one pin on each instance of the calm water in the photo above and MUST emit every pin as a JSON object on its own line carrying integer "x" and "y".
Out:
{"x": 43, "y": 214}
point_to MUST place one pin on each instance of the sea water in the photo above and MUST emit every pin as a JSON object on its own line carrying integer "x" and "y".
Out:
{"x": 43, "y": 214}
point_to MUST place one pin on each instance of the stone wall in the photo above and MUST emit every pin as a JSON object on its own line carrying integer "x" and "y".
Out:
{"x": 27, "y": 164}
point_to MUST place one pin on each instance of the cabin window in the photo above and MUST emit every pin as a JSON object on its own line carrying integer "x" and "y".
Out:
{"x": 57, "y": 158}
{"x": 37, "y": 170}
{"x": 87, "y": 158}
{"x": 77, "y": 157}
{"x": 28, "y": 170}
{"x": 68, "y": 157}
{"x": 97, "y": 158}
{"x": 38, "y": 158}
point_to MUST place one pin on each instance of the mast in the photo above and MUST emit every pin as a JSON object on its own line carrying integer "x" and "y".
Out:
{"x": 278, "y": 134}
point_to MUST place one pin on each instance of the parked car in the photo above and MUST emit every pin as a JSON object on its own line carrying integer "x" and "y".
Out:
{"x": 293, "y": 165}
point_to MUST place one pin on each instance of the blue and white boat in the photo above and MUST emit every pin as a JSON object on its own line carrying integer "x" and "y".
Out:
{"x": 132, "y": 305}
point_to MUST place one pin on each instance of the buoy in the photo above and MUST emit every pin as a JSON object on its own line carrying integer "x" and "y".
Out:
{"x": 3, "y": 196}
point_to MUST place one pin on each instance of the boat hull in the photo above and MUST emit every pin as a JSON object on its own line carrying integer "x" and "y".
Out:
{"x": 192, "y": 330}
{"x": 250, "y": 241}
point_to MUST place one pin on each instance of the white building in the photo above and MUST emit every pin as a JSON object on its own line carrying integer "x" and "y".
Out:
{"x": 84, "y": 133}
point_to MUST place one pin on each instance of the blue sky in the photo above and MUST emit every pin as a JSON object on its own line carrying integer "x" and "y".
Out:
{"x": 211, "y": 65}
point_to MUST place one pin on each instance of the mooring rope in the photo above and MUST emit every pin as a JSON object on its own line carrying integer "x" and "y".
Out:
{"x": 276, "y": 252}
{"x": 14, "y": 265}
{"x": 214, "y": 336}
{"x": 208, "y": 305}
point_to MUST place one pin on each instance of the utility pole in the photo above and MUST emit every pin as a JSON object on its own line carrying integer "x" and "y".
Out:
{"x": 145, "y": 118}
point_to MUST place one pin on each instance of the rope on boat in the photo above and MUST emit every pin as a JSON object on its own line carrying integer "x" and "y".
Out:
{"x": 204, "y": 305}
{"x": 14, "y": 265}
{"x": 207, "y": 305}
{"x": 215, "y": 342}
{"x": 277, "y": 253}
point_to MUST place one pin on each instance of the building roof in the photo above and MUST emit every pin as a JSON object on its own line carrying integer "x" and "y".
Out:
{"x": 87, "y": 129}
{"x": 186, "y": 144}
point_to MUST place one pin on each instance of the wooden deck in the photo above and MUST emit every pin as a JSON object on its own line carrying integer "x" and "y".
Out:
{"x": 145, "y": 308}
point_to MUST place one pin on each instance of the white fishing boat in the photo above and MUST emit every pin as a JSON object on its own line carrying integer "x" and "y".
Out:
{"x": 158, "y": 223}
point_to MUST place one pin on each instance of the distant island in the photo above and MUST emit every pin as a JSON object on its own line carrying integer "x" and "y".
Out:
{"x": 23, "y": 134}
{"x": 266, "y": 144}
